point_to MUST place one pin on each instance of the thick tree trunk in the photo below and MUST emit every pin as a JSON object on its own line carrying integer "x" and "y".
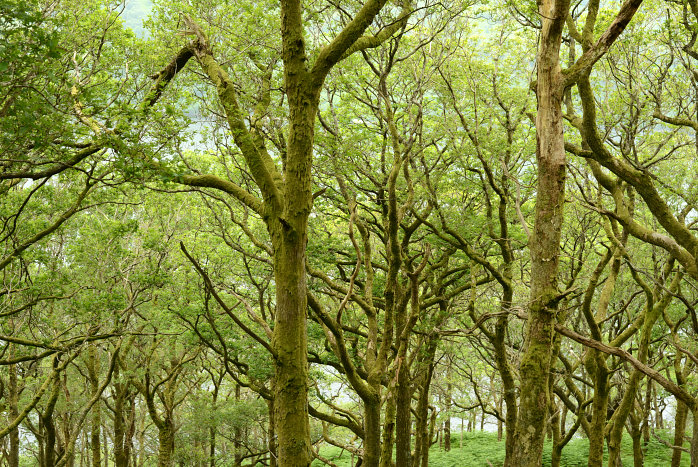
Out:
{"x": 388, "y": 434}
{"x": 545, "y": 244}
{"x": 41, "y": 444}
{"x": 290, "y": 344}
{"x": 403, "y": 422}
{"x": 372, "y": 432}
{"x": 288, "y": 230}
{"x": 121, "y": 454}
{"x": 290, "y": 201}
{"x": 166, "y": 446}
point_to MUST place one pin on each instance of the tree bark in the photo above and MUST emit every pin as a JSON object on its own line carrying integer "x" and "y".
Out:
{"x": 372, "y": 430}
{"x": 13, "y": 410}
{"x": 694, "y": 439}
{"x": 273, "y": 453}
{"x": 636, "y": 435}
{"x": 447, "y": 422}
{"x": 421, "y": 447}
{"x": 95, "y": 429}
{"x": 545, "y": 244}
{"x": 388, "y": 434}
{"x": 679, "y": 432}
{"x": 50, "y": 427}
{"x": 166, "y": 446}
{"x": 121, "y": 448}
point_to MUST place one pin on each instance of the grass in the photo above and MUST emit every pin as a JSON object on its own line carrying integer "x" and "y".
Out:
{"x": 481, "y": 449}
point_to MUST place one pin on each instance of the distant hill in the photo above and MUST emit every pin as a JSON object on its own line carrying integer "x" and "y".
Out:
{"x": 134, "y": 14}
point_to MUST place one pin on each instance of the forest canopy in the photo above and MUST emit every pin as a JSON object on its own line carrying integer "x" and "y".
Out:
{"x": 346, "y": 232}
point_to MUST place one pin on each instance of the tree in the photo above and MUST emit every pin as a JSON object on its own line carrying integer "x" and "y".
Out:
{"x": 286, "y": 195}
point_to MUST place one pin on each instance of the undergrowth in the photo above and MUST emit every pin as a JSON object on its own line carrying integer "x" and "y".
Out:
{"x": 481, "y": 449}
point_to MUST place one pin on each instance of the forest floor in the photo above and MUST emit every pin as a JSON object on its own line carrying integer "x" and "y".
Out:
{"x": 481, "y": 449}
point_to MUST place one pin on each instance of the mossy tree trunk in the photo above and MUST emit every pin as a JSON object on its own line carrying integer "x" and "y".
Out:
{"x": 13, "y": 411}
{"x": 388, "y": 433}
{"x": 447, "y": 422}
{"x": 636, "y": 435}
{"x": 287, "y": 198}
{"x": 545, "y": 243}
{"x": 47, "y": 420}
{"x": 95, "y": 429}
{"x": 694, "y": 439}
{"x": 679, "y": 432}
{"x": 122, "y": 443}
{"x": 421, "y": 447}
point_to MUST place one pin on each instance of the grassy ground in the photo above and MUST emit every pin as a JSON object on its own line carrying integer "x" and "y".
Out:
{"x": 481, "y": 449}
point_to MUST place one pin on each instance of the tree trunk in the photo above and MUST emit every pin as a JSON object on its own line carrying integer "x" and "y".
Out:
{"x": 272, "y": 435}
{"x": 50, "y": 426}
{"x": 447, "y": 422}
{"x": 679, "y": 431}
{"x": 290, "y": 341}
{"x": 681, "y": 415}
{"x": 599, "y": 414}
{"x": 636, "y": 435}
{"x": 95, "y": 429}
{"x": 648, "y": 410}
{"x": 13, "y": 412}
{"x": 545, "y": 243}
{"x": 105, "y": 444}
{"x": 694, "y": 439}
{"x": 403, "y": 412}
{"x": 388, "y": 434}
{"x": 121, "y": 455}
{"x": 461, "y": 432}
{"x": 372, "y": 432}
{"x": 500, "y": 425}
{"x": 422, "y": 440}
{"x": 556, "y": 453}
{"x": 212, "y": 430}
{"x": 288, "y": 230}
{"x": 290, "y": 201}
{"x": 237, "y": 434}
{"x": 166, "y": 444}
{"x": 432, "y": 426}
